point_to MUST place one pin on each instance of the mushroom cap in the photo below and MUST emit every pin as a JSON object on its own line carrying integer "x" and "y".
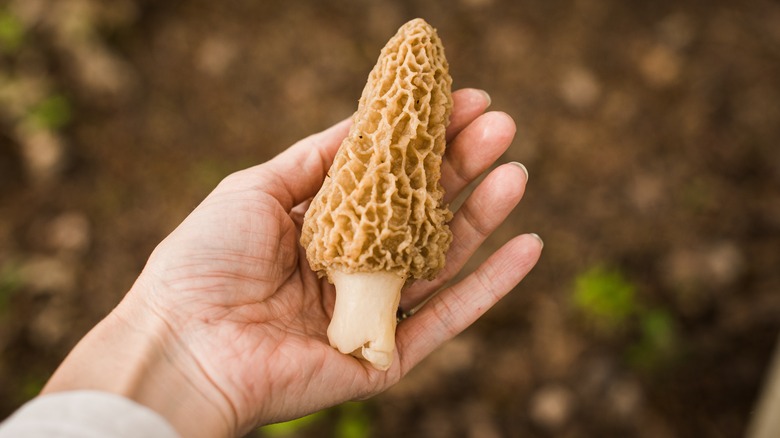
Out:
{"x": 381, "y": 206}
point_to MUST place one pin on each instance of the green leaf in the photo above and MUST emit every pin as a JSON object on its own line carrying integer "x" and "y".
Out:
{"x": 11, "y": 32}
{"x": 658, "y": 340}
{"x": 658, "y": 329}
{"x": 53, "y": 113}
{"x": 604, "y": 296}
{"x": 289, "y": 428}
{"x": 10, "y": 282}
{"x": 354, "y": 422}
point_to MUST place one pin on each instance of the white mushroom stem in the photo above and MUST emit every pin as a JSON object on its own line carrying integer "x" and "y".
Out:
{"x": 364, "y": 317}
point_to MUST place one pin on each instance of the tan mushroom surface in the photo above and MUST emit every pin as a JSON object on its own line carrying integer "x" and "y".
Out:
{"x": 379, "y": 219}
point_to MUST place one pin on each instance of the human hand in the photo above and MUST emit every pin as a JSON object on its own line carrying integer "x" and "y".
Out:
{"x": 228, "y": 323}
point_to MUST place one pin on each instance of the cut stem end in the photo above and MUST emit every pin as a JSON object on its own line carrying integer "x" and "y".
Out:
{"x": 364, "y": 317}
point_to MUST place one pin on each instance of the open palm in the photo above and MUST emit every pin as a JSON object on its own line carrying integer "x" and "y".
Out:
{"x": 234, "y": 285}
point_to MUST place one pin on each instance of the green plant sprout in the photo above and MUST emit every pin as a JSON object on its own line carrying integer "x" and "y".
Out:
{"x": 353, "y": 422}
{"x": 605, "y": 297}
{"x": 657, "y": 341}
{"x": 51, "y": 113}
{"x": 289, "y": 428}
{"x": 10, "y": 282}
{"x": 33, "y": 385}
{"x": 607, "y": 300}
{"x": 11, "y": 32}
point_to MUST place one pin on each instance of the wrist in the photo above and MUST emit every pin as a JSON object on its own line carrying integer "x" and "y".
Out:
{"x": 135, "y": 354}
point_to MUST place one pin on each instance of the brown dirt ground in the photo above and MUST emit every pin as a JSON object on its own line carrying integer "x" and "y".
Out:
{"x": 650, "y": 130}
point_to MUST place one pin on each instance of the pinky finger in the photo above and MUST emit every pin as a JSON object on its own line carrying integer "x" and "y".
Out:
{"x": 454, "y": 309}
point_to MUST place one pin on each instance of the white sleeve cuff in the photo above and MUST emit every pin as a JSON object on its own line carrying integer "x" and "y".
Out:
{"x": 85, "y": 414}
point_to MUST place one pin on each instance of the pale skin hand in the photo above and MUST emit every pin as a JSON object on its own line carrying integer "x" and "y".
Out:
{"x": 225, "y": 328}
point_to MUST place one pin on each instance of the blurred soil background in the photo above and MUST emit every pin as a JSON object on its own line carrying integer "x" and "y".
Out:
{"x": 651, "y": 131}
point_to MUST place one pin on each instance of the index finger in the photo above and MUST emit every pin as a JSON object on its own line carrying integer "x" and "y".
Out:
{"x": 296, "y": 174}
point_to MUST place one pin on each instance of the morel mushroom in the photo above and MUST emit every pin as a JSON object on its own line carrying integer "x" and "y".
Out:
{"x": 379, "y": 219}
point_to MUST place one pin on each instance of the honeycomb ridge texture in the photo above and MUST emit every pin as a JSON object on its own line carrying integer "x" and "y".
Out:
{"x": 381, "y": 205}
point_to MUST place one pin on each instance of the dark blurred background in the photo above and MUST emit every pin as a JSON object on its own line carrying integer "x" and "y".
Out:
{"x": 650, "y": 130}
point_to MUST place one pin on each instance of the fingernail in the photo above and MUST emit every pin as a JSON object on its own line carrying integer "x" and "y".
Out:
{"x": 536, "y": 236}
{"x": 487, "y": 97}
{"x": 520, "y": 165}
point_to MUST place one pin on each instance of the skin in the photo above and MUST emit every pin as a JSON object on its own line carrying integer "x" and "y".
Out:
{"x": 225, "y": 328}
